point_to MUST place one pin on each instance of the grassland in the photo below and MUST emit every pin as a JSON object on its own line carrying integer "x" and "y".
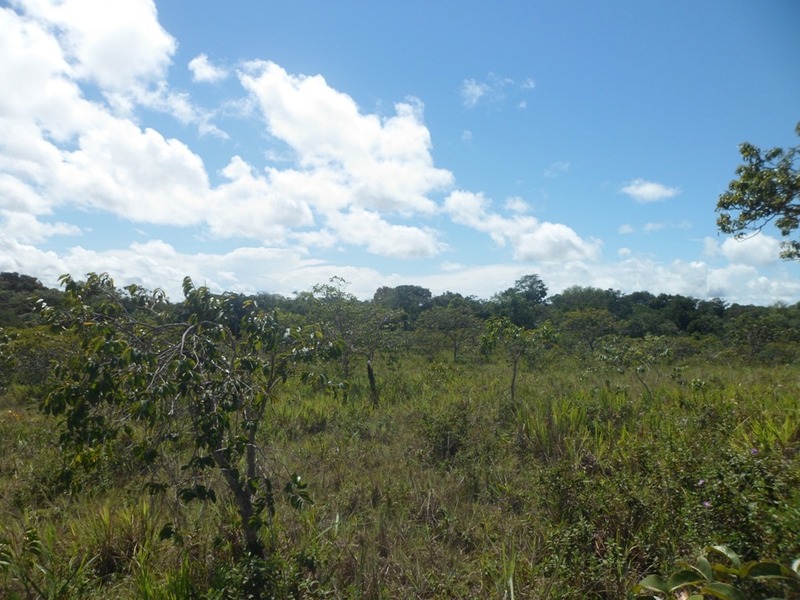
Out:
{"x": 590, "y": 480}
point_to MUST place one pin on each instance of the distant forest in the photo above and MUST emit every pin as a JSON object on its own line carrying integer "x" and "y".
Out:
{"x": 584, "y": 315}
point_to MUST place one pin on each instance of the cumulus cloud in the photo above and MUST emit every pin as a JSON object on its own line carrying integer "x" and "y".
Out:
{"x": 529, "y": 238}
{"x": 27, "y": 229}
{"x": 60, "y": 150}
{"x": 644, "y": 191}
{"x": 754, "y": 251}
{"x": 203, "y": 71}
{"x": 385, "y": 164}
{"x": 368, "y": 229}
{"x": 117, "y": 45}
{"x": 72, "y": 146}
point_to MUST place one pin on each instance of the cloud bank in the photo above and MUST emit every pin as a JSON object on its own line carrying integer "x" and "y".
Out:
{"x": 81, "y": 160}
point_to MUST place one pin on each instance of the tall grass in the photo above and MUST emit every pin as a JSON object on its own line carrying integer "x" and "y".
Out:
{"x": 583, "y": 485}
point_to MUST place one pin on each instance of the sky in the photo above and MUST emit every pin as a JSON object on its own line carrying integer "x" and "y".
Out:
{"x": 261, "y": 146}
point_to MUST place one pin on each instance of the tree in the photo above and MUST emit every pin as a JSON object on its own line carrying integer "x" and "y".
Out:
{"x": 413, "y": 299}
{"x": 151, "y": 382}
{"x": 767, "y": 190}
{"x": 357, "y": 328}
{"x": 585, "y": 327}
{"x": 516, "y": 342}
{"x": 456, "y": 323}
{"x": 337, "y": 310}
{"x": 580, "y": 298}
{"x": 523, "y": 303}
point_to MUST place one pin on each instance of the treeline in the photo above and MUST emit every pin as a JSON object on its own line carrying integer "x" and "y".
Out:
{"x": 582, "y": 315}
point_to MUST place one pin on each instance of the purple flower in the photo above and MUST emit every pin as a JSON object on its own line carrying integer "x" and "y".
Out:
{"x": 701, "y": 482}
{"x": 753, "y": 450}
{"x": 707, "y": 504}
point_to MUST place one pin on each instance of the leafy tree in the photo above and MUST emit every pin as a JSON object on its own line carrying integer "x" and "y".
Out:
{"x": 357, "y": 328}
{"x": 765, "y": 334}
{"x": 412, "y": 299}
{"x": 580, "y": 298}
{"x": 147, "y": 379}
{"x": 708, "y": 317}
{"x": 523, "y": 303}
{"x": 456, "y": 323}
{"x": 635, "y": 355}
{"x": 17, "y": 298}
{"x": 377, "y": 330}
{"x": 337, "y": 311}
{"x": 516, "y": 342}
{"x": 767, "y": 190}
{"x": 36, "y": 351}
{"x": 584, "y": 328}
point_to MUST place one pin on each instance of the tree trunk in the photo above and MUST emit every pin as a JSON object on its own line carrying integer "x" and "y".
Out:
{"x": 373, "y": 388}
{"x": 514, "y": 381}
{"x": 243, "y": 497}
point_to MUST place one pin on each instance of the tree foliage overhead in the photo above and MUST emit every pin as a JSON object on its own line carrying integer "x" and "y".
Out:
{"x": 767, "y": 190}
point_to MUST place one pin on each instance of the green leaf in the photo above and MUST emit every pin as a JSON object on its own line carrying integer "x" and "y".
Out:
{"x": 768, "y": 569}
{"x": 683, "y": 578}
{"x": 723, "y": 591}
{"x": 197, "y": 492}
{"x": 704, "y": 567}
{"x": 653, "y": 583}
{"x": 728, "y": 553}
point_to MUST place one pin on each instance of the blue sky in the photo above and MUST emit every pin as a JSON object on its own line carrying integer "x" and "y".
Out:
{"x": 268, "y": 146}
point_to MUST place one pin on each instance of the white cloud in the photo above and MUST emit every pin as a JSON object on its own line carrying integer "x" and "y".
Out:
{"x": 249, "y": 205}
{"x": 754, "y": 251}
{"x": 60, "y": 150}
{"x": 530, "y": 239}
{"x": 385, "y": 164}
{"x": 495, "y": 89}
{"x": 648, "y": 191}
{"x": 138, "y": 175}
{"x": 81, "y": 72}
{"x": 451, "y": 266}
{"x": 27, "y": 229}
{"x": 556, "y": 169}
{"x": 203, "y": 71}
{"x": 517, "y": 205}
{"x": 625, "y": 229}
{"x": 472, "y": 91}
{"x": 114, "y": 44}
{"x": 653, "y": 226}
{"x": 365, "y": 228}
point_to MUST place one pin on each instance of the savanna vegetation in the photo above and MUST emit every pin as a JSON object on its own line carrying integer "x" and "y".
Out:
{"x": 587, "y": 444}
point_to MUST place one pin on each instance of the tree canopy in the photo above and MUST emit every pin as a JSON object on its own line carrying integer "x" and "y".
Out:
{"x": 767, "y": 190}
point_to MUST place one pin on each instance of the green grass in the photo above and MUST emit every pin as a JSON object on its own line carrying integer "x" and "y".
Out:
{"x": 578, "y": 490}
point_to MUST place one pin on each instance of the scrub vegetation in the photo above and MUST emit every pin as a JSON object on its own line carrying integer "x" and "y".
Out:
{"x": 588, "y": 444}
